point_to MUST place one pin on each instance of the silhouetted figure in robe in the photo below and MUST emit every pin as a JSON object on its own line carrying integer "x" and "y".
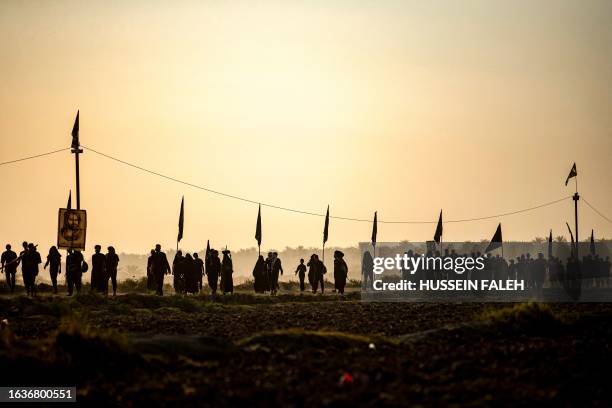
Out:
{"x": 213, "y": 271}
{"x": 301, "y": 272}
{"x": 191, "y": 280}
{"x": 54, "y": 262}
{"x": 367, "y": 271}
{"x": 29, "y": 264}
{"x": 199, "y": 266}
{"x": 318, "y": 270}
{"x": 75, "y": 266}
{"x": 112, "y": 263}
{"x": 268, "y": 277}
{"x": 99, "y": 279}
{"x": 276, "y": 268}
{"x": 340, "y": 271}
{"x": 312, "y": 268}
{"x": 259, "y": 275}
{"x": 227, "y": 270}
{"x": 9, "y": 263}
{"x": 24, "y": 250}
{"x": 161, "y": 268}
{"x": 179, "y": 273}
{"x": 150, "y": 274}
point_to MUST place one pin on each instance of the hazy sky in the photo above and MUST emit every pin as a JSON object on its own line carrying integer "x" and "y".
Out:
{"x": 405, "y": 107}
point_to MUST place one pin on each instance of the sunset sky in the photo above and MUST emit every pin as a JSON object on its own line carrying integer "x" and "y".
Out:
{"x": 400, "y": 107}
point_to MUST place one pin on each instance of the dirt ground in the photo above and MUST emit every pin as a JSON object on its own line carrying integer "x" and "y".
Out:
{"x": 305, "y": 350}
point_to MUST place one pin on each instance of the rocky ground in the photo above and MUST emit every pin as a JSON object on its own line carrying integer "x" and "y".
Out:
{"x": 294, "y": 350}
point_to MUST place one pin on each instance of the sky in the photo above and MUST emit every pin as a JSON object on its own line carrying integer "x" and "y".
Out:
{"x": 401, "y": 107}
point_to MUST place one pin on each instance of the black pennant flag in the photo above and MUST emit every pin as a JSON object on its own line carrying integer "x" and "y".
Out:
{"x": 326, "y": 227}
{"x": 375, "y": 228}
{"x": 258, "y": 227}
{"x": 572, "y": 237}
{"x": 207, "y": 249}
{"x": 69, "y": 205}
{"x": 75, "y": 133}
{"x": 181, "y": 220}
{"x": 439, "y": 229}
{"x": 592, "y": 243}
{"x": 496, "y": 241}
{"x": 550, "y": 245}
{"x": 572, "y": 173}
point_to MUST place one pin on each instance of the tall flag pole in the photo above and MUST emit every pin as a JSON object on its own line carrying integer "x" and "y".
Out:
{"x": 438, "y": 233}
{"x": 258, "y": 230}
{"x": 550, "y": 245}
{"x": 76, "y": 150}
{"x": 374, "y": 231}
{"x": 496, "y": 241}
{"x": 207, "y": 249}
{"x": 592, "y": 243}
{"x": 181, "y": 223}
{"x": 69, "y": 204}
{"x": 574, "y": 174}
{"x": 325, "y": 232}
{"x": 572, "y": 237}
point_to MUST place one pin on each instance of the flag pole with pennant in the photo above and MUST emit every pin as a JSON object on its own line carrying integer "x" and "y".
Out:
{"x": 592, "y": 243}
{"x": 181, "y": 223}
{"x": 438, "y": 233}
{"x": 574, "y": 174}
{"x": 496, "y": 241}
{"x": 374, "y": 231}
{"x": 572, "y": 238}
{"x": 75, "y": 147}
{"x": 325, "y": 232}
{"x": 258, "y": 230}
{"x": 550, "y": 240}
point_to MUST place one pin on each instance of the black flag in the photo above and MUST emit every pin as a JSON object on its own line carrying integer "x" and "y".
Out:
{"x": 572, "y": 237}
{"x": 375, "y": 228}
{"x": 572, "y": 173}
{"x": 258, "y": 227}
{"x": 496, "y": 241}
{"x": 550, "y": 245}
{"x": 592, "y": 243}
{"x": 207, "y": 249}
{"x": 75, "y": 133}
{"x": 326, "y": 227}
{"x": 181, "y": 221}
{"x": 438, "y": 233}
{"x": 69, "y": 205}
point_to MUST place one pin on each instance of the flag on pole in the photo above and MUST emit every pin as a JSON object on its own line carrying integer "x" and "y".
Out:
{"x": 207, "y": 249}
{"x": 326, "y": 227}
{"x": 375, "y": 228}
{"x": 181, "y": 220}
{"x": 258, "y": 227}
{"x": 550, "y": 245}
{"x": 439, "y": 229}
{"x": 69, "y": 205}
{"x": 75, "y": 132}
{"x": 571, "y": 236}
{"x": 496, "y": 241}
{"x": 592, "y": 243}
{"x": 572, "y": 173}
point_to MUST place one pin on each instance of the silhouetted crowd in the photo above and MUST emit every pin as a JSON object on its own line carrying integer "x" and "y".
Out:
{"x": 104, "y": 268}
{"x": 189, "y": 270}
{"x": 592, "y": 270}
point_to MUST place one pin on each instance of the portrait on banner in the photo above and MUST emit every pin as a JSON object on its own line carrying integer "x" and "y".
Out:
{"x": 71, "y": 229}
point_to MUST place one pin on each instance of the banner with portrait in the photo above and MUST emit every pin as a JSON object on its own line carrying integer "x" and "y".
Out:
{"x": 71, "y": 229}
